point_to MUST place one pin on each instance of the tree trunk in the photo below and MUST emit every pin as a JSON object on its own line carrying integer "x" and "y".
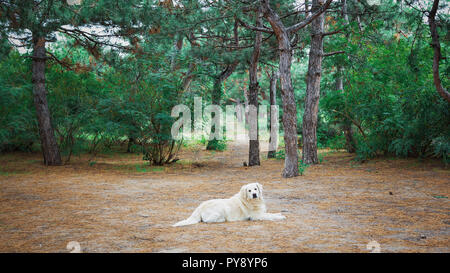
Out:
{"x": 287, "y": 92}
{"x": 309, "y": 155}
{"x": 344, "y": 11}
{"x": 273, "y": 140}
{"x": 437, "y": 52}
{"x": 307, "y": 10}
{"x": 177, "y": 46}
{"x": 216, "y": 97}
{"x": 253, "y": 152}
{"x": 350, "y": 145}
{"x": 339, "y": 79}
{"x": 49, "y": 146}
{"x": 130, "y": 143}
{"x": 217, "y": 90}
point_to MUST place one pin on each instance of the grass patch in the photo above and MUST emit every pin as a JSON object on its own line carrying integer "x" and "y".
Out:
{"x": 3, "y": 173}
{"x": 139, "y": 168}
{"x": 33, "y": 161}
{"x": 302, "y": 167}
{"x": 148, "y": 169}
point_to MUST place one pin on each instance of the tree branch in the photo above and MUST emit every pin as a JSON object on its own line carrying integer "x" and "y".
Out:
{"x": 332, "y": 53}
{"x": 331, "y": 33}
{"x": 62, "y": 63}
{"x": 437, "y": 52}
{"x": 357, "y": 124}
{"x": 262, "y": 29}
{"x": 310, "y": 18}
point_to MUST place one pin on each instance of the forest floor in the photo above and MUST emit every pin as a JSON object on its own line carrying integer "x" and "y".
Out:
{"x": 119, "y": 204}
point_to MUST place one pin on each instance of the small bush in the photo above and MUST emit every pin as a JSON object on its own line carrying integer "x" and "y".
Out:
{"x": 364, "y": 151}
{"x": 337, "y": 142}
{"x": 442, "y": 149}
{"x": 302, "y": 167}
{"x": 217, "y": 145}
{"x": 280, "y": 154}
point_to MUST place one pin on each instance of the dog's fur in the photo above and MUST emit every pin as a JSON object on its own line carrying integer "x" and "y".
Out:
{"x": 247, "y": 204}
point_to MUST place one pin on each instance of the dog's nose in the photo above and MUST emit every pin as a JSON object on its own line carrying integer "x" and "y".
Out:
{"x": 254, "y": 195}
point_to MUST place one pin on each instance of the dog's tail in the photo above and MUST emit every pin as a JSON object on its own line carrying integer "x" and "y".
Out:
{"x": 193, "y": 219}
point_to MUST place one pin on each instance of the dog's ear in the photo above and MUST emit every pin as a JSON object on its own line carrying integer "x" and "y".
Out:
{"x": 243, "y": 192}
{"x": 260, "y": 188}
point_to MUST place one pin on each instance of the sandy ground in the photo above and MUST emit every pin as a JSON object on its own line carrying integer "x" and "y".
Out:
{"x": 116, "y": 204}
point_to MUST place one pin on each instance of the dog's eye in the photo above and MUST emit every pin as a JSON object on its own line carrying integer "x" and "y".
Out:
{"x": 255, "y": 189}
{"x": 249, "y": 190}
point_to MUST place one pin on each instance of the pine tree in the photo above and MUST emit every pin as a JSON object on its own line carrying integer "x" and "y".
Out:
{"x": 35, "y": 23}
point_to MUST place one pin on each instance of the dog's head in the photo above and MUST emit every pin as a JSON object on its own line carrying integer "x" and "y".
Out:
{"x": 251, "y": 191}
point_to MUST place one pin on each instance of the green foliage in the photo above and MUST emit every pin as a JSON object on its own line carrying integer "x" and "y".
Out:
{"x": 144, "y": 112}
{"x": 365, "y": 151}
{"x": 18, "y": 124}
{"x": 336, "y": 143}
{"x": 146, "y": 169}
{"x": 442, "y": 149}
{"x": 109, "y": 96}
{"x": 280, "y": 154}
{"x": 302, "y": 167}
{"x": 217, "y": 145}
{"x": 389, "y": 96}
{"x": 73, "y": 96}
{"x": 203, "y": 140}
{"x": 93, "y": 113}
{"x": 327, "y": 135}
{"x": 321, "y": 156}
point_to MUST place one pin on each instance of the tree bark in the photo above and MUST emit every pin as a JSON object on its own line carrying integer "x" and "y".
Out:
{"x": 216, "y": 97}
{"x": 273, "y": 139}
{"x": 217, "y": 89}
{"x": 287, "y": 91}
{"x": 309, "y": 152}
{"x": 344, "y": 11}
{"x": 253, "y": 153}
{"x": 130, "y": 143}
{"x": 49, "y": 145}
{"x": 307, "y": 10}
{"x": 348, "y": 133}
{"x": 437, "y": 51}
{"x": 177, "y": 46}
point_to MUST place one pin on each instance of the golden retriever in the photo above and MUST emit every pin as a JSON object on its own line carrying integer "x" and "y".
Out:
{"x": 247, "y": 204}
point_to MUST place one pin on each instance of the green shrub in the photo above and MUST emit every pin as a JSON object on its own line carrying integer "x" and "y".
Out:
{"x": 302, "y": 167}
{"x": 280, "y": 154}
{"x": 442, "y": 148}
{"x": 337, "y": 142}
{"x": 217, "y": 145}
{"x": 18, "y": 123}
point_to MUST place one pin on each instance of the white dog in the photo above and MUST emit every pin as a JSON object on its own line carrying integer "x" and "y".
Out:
{"x": 248, "y": 204}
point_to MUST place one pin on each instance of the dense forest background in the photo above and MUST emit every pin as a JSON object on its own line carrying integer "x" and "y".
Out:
{"x": 114, "y": 70}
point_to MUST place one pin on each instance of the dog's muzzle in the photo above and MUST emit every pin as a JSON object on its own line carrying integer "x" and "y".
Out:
{"x": 255, "y": 195}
